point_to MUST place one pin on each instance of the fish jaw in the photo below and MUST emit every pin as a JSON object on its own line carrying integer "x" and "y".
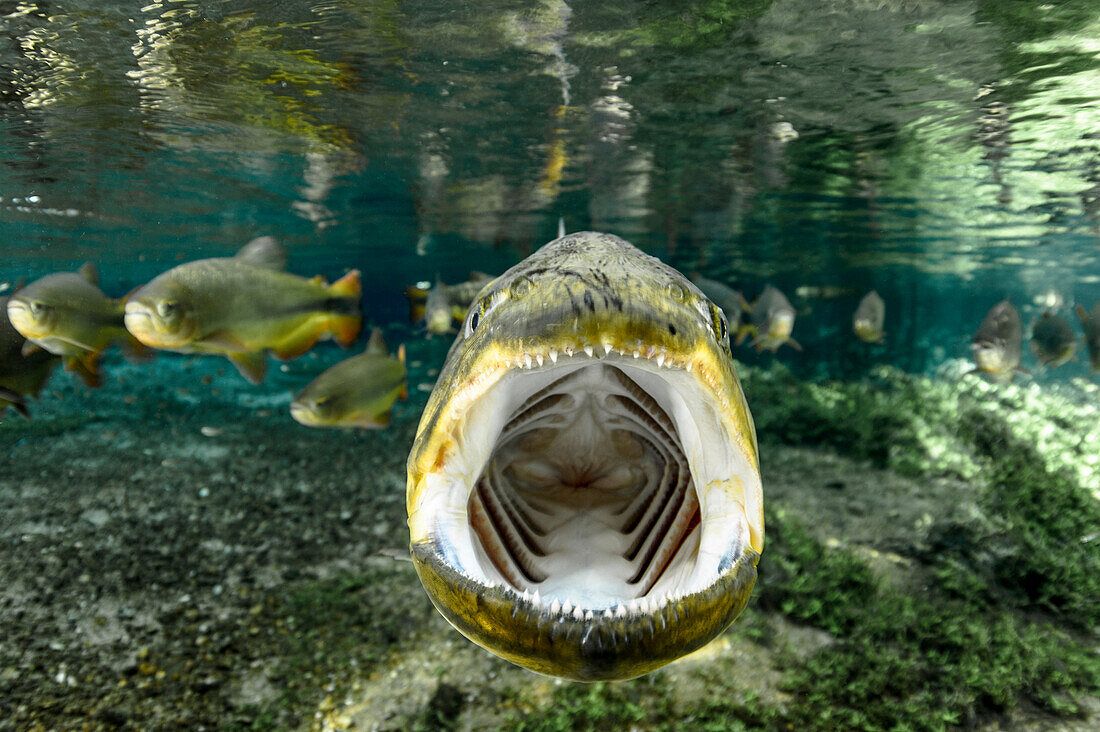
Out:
{"x": 148, "y": 327}
{"x": 543, "y": 520}
{"x": 31, "y": 325}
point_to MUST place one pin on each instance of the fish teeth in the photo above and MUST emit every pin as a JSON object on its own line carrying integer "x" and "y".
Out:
{"x": 535, "y": 598}
{"x": 527, "y": 359}
{"x": 578, "y": 614}
{"x": 607, "y": 349}
{"x": 620, "y": 611}
{"x": 588, "y": 351}
{"x": 555, "y": 607}
{"x": 567, "y": 608}
{"x": 608, "y": 614}
{"x": 660, "y": 359}
{"x": 588, "y": 615}
{"x": 554, "y": 356}
{"x": 538, "y": 358}
{"x": 637, "y": 354}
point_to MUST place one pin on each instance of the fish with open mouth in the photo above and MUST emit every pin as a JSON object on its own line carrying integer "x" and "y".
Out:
{"x": 584, "y": 494}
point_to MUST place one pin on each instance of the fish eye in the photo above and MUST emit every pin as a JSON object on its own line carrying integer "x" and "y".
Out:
{"x": 676, "y": 292}
{"x": 166, "y": 308}
{"x": 36, "y": 307}
{"x": 718, "y": 321}
{"x": 475, "y": 319}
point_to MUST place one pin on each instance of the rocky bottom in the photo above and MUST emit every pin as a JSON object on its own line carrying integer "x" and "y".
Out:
{"x": 177, "y": 553}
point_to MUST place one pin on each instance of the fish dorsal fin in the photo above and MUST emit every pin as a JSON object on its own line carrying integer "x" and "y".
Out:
{"x": 376, "y": 346}
{"x": 561, "y": 226}
{"x": 264, "y": 251}
{"x": 90, "y": 272}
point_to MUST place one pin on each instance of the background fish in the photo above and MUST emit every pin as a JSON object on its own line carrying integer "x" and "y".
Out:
{"x": 771, "y": 321}
{"x": 730, "y": 300}
{"x": 242, "y": 306}
{"x": 68, "y": 315}
{"x": 998, "y": 344}
{"x": 1052, "y": 340}
{"x": 437, "y": 310}
{"x": 1090, "y": 321}
{"x": 823, "y": 292}
{"x": 20, "y": 375}
{"x": 869, "y": 317}
{"x": 357, "y": 392}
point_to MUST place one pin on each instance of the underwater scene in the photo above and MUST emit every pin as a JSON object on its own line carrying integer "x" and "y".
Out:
{"x": 536, "y": 365}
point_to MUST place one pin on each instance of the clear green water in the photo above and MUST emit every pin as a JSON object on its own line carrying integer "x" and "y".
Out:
{"x": 943, "y": 153}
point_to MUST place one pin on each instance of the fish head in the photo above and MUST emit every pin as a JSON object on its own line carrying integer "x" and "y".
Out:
{"x": 317, "y": 409}
{"x": 161, "y": 315}
{"x": 439, "y": 320}
{"x": 990, "y": 356}
{"x": 32, "y": 314}
{"x": 780, "y": 325}
{"x": 584, "y": 494}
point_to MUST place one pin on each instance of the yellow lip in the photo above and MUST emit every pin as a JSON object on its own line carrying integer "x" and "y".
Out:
{"x": 23, "y": 320}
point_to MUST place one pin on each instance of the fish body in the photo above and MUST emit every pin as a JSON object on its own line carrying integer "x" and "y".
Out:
{"x": 583, "y": 492}
{"x": 357, "y": 392}
{"x": 437, "y": 310}
{"x": 1052, "y": 340}
{"x": 21, "y": 375}
{"x": 771, "y": 321}
{"x": 68, "y": 315}
{"x": 730, "y": 300}
{"x": 243, "y": 306}
{"x": 1090, "y": 321}
{"x": 997, "y": 346}
{"x": 869, "y": 317}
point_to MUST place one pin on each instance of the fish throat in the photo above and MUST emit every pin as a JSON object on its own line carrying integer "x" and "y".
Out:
{"x": 587, "y": 497}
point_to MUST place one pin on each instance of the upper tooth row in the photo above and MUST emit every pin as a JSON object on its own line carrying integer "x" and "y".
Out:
{"x": 620, "y": 610}
{"x": 657, "y": 355}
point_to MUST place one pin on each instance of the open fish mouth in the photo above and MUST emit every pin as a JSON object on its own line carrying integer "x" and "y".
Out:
{"x": 587, "y": 504}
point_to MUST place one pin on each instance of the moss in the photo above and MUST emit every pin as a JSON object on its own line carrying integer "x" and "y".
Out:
{"x": 577, "y": 706}
{"x": 14, "y": 428}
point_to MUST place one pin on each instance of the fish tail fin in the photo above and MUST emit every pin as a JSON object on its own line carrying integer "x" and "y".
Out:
{"x": 251, "y": 364}
{"x": 345, "y": 328}
{"x": 746, "y": 306}
{"x": 16, "y": 401}
{"x": 345, "y": 325}
{"x": 793, "y": 344}
{"x": 87, "y": 368}
{"x": 135, "y": 350}
{"x": 350, "y": 285}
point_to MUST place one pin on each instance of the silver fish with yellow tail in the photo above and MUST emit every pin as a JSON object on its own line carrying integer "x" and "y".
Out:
{"x": 868, "y": 319}
{"x": 243, "y": 306}
{"x": 998, "y": 344}
{"x": 584, "y": 494}
{"x": 1052, "y": 340}
{"x": 357, "y": 392}
{"x": 68, "y": 315}
{"x": 21, "y": 374}
{"x": 771, "y": 320}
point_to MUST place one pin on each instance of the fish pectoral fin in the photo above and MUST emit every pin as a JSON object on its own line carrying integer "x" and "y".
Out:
{"x": 252, "y": 365}
{"x": 17, "y": 402}
{"x": 793, "y": 344}
{"x": 30, "y": 348}
{"x": 86, "y": 366}
{"x": 135, "y": 350}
